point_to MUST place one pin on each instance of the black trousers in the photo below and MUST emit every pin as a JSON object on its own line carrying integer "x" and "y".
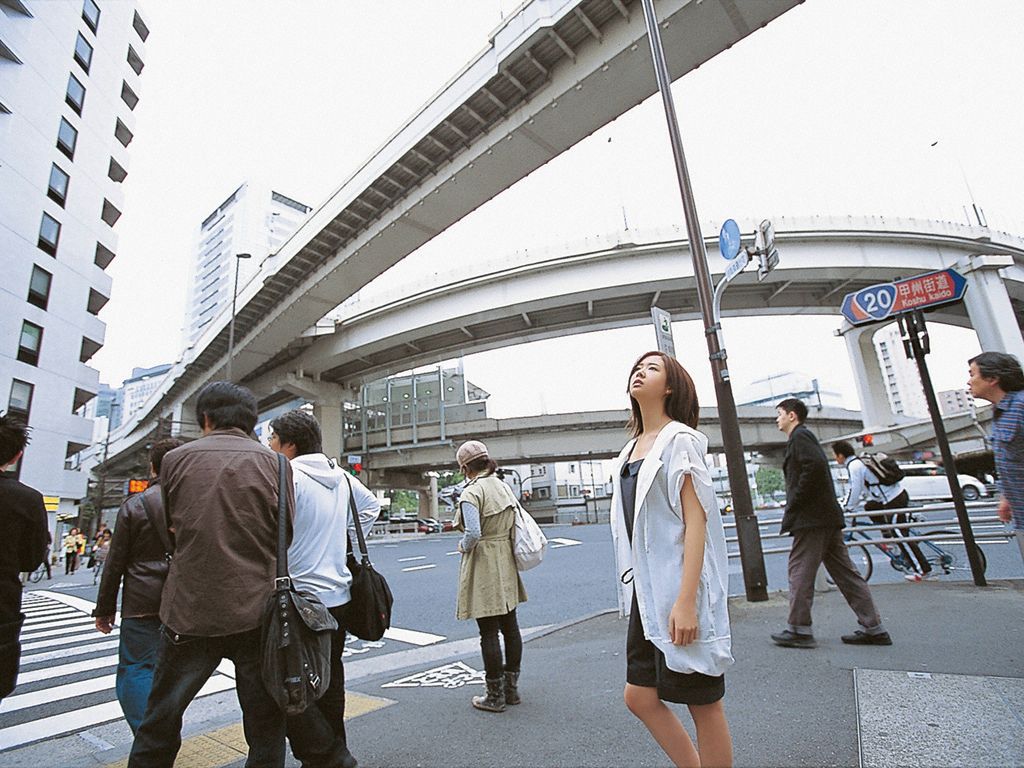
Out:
{"x": 899, "y": 502}
{"x": 508, "y": 625}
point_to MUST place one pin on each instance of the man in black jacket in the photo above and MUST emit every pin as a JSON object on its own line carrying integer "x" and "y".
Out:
{"x": 138, "y": 555}
{"x": 814, "y": 519}
{"x": 24, "y": 523}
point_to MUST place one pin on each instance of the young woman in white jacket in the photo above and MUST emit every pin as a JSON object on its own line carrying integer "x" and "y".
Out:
{"x": 672, "y": 565}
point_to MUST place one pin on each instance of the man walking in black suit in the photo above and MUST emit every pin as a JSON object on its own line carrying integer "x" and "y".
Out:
{"x": 814, "y": 519}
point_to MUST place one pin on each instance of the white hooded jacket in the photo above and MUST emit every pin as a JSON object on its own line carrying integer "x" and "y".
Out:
{"x": 316, "y": 557}
{"x": 655, "y": 559}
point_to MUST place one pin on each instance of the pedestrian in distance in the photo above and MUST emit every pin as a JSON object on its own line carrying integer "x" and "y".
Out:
{"x": 672, "y": 566}
{"x": 138, "y": 559}
{"x": 99, "y": 554}
{"x": 879, "y": 499}
{"x": 998, "y": 378}
{"x": 490, "y": 588}
{"x": 814, "y": 519}
{"x": 24, "y": 523}
{"x": 317, "y": 564}
{"x": 220, "y": 498}
{"x": 71, "y": 543}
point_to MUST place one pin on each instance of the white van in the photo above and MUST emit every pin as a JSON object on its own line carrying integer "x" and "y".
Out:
{"x": 925, "y": 482}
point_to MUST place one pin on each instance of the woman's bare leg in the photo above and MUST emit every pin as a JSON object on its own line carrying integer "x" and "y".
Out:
{"x": 714, "y": 742}
{"x": 663, "y": 725}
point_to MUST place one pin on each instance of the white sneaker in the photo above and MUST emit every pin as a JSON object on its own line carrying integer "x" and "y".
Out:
{"x": 912, "y": 576}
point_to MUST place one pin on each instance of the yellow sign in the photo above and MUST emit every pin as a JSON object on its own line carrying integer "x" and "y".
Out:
{"x": 51, "y": 503}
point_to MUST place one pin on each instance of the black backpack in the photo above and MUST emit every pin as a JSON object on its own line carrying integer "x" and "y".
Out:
{"x": 884, "y": 467}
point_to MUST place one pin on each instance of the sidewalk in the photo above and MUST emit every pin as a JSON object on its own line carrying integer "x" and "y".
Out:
{"x": 950, "y": 691}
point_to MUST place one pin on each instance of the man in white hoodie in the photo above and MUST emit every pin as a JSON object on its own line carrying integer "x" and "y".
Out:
{"x": 316, "y": 563}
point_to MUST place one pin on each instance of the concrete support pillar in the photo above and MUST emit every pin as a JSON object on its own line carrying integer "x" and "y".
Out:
{"x": 988, "y": 304}
{"x": 428, "y": 499}
{"x": 327, "y": 400}
{"x": 868, "y": 376}
{"x": 329, "y": 414}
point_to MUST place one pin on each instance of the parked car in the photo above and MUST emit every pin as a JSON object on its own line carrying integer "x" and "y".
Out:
{"x": 928, "y": 482}
{"x": 447, "y": 525}
{"x": 425, "y": 525}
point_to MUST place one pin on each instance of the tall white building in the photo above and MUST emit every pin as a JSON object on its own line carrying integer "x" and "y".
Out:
{"x": 902, "y": 381}
{"x": 254, "y": 219}
{"x": 69, "y": 82}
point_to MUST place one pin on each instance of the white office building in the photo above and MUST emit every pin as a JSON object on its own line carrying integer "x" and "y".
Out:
{"x": 254, "y": 220}
{"x": 69, "y": 82}
{"x": 902, "y": 381}
{"x": 954, "y": 401}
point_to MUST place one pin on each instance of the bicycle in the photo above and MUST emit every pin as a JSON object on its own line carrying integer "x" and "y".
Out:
{"x": 97, "y": 568}
{"x": 37, "y": 575}
{"x": 936, "y": 556}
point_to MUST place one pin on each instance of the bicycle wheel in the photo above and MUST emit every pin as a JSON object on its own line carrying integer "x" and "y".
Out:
{"x": 950, "y": 561}
{"x": 37, "y": 575}
{"x": 860, "y": 556}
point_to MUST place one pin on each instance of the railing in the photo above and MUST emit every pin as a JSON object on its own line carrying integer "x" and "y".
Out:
{"x": 917, "y": 524}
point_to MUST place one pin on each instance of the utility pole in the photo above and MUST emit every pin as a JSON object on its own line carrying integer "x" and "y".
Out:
{"x": 751, "y": 555}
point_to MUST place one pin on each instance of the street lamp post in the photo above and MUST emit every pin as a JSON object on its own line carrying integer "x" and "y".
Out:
{"x": 234, "y": 297}
{"x": 747, "y": 530}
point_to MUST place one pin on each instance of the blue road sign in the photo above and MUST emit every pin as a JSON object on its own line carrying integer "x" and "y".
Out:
{"x": 729, "y": 240}
{"x": 885, "y": 300}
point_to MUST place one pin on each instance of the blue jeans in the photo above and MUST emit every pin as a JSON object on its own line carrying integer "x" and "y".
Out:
{"x": 140, "y": 638}
{"x": 184, "y": 664}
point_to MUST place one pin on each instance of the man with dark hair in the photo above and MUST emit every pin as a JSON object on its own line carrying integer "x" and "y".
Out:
{"x": 139, "y": 555}
{"x": 998, "y": 378}
{"x": 324, "y": 494}
{"x": 24, "y": 524}
{"x": 220, "y": 497}
{"x": 815, "y": 521}
{"x": 880, "y": 497}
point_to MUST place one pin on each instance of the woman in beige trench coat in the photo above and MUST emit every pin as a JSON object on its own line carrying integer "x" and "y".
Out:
{"x": 489, "y": 583}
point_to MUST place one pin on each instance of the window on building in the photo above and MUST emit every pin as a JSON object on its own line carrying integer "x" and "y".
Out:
{"x": 29, "y": 343}
{"x": 91, "y": 14}
{"x": 49, "y": 234}
{"x": 75, "y": 96}
{"x": 58, "y": 191}
{"x": 140, "y": 26}
{"x": 135, "y": 61}
{"x": 83, "y": 53}
{"x": 39, "y": 287}
{"x": 103, "y": 256}
{"x": 67, "y": 138}
{"x": 128, "y": 96}
{"x": 122, "y": 133}
{"x": 543, "y": 492}
{"x": 20, "y": 402}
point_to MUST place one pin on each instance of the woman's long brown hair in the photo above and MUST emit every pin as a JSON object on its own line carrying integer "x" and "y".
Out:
{"x": 680, "y": 404}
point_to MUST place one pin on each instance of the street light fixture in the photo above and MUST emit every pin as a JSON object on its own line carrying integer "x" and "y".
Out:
{"x": 234, "y": 297}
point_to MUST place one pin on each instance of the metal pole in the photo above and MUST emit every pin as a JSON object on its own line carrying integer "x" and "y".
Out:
{"x": 914, "y": 325}
{"x": 231, "y": 326}
{"x": 754, "y": 578}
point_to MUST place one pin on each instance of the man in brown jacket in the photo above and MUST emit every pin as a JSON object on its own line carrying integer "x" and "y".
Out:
{"x": 138, "y": 556}
{"x": 220, "y": 493}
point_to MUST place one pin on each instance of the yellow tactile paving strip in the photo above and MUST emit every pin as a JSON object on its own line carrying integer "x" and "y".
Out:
{"x": 227, "y": 745}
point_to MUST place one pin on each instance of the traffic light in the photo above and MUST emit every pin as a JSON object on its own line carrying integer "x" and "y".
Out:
{"x": 866, "y": 440}
{"x": 136, "y": 485}
{"x": 355, "y": 469}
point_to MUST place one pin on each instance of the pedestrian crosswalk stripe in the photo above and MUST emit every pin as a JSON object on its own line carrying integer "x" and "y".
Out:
{"x": 44, "y": 616}
{"x": 47, "y": 673}
{"x": 79, "y": 719}
{"x": 49, "y": 695}
{"x": 55, "y": 641}
{"x": 64, "y": 653}
{"x": 412, "y": 637}
{"x": 67, "y": 622}
{"x": 61, "y": 631}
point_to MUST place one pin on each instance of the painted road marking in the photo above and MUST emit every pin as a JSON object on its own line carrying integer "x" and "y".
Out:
{"x": 86, "y": 639}
{"x": 49, "y": 695}
{"x": 412, "y": 636}
{"x": 65, "y": 653}
{"x": 419, "y": 568}
{"x": 47, "y": 673}
{"x": 559, "y": 543}
{"x": 410, "y": 559}
{"x": 454, "y": 675}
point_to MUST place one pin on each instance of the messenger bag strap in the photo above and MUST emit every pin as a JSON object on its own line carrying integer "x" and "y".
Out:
{"x": 355, "y": 519}
{"x": 282, "y": 512}
{"x": 160, "y": 526}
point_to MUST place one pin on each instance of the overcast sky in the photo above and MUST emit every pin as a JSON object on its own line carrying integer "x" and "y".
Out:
{"x": 831, "y": 109}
